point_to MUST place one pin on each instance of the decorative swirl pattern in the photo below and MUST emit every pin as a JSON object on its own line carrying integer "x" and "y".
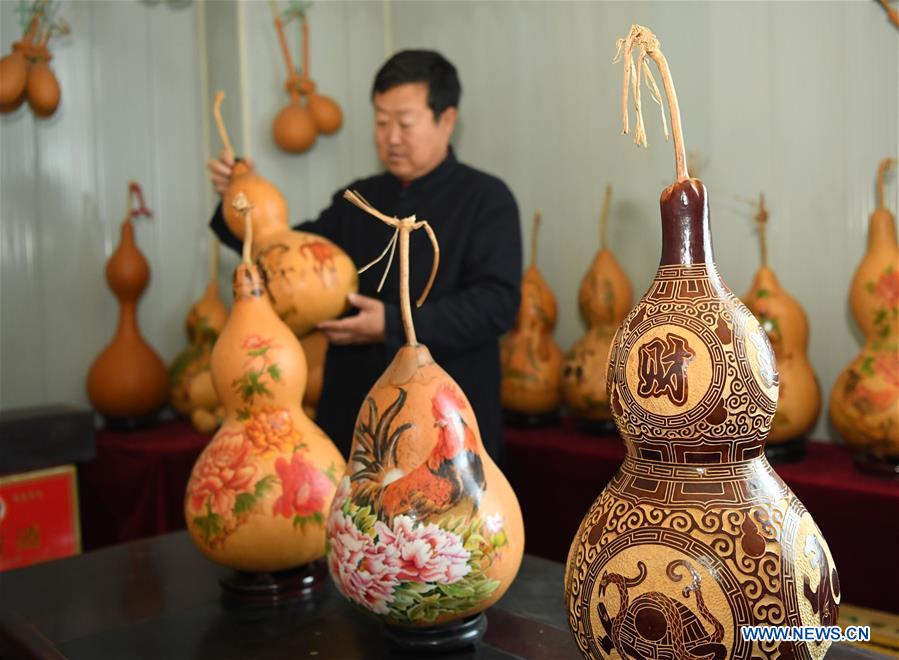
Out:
{"x": 695, "y": 492}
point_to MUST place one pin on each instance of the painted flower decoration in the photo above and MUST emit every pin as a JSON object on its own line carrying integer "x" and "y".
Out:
{"x": 271, "y": 430}
{"x": 494, "y": 523}
{"x": 887, "y": 288}
{"x": 221, "y": 473}
{"x": 354, "y": 561}
{"x": 426, "y": 553}
{"x": 886, "y": 365}
{"x": 254, "y": 342}
{"x": 303, "y": 487}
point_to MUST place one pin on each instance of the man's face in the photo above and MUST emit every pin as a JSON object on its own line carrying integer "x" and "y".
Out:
{"x": 410, "y": 143}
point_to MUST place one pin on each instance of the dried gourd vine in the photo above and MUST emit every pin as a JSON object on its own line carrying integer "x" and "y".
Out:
{"x": 885, "y": 166}
{"x": 892, "y": 14}
{"x": 604, "y": 217}
{"x": 220, "y": 123}
{"x": 141, "y": 210}
{"x": 242, "y": 205}
{"x": 642, "y": 38}
{"x": 761, "y": 219}
{"x": 535, "y": 233}
{"x": 295, "y": 10}
{"x": 38, "y": 22}
{"x": 403, "y": 228}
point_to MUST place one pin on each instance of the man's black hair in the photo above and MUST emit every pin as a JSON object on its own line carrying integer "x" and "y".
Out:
{"x": 422, "y": 66}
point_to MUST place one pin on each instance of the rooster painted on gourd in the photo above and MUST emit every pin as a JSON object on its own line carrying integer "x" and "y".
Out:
{"x": 452, "y": 474}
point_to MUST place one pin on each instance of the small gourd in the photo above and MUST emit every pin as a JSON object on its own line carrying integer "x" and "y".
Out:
{"x": 259, "y": 493}
{"x": 864, "y": 402}
{"x": 308, "y": 277}
{"x": 604, "y": 298}
{"x": 308, "y": 113}
{"x": 422, "y": 515}
{"x": 128, "y": 382}
{"x": 786, "y": 325}
{"x": 191, "y": 380}
{"x": 531, "y": 386}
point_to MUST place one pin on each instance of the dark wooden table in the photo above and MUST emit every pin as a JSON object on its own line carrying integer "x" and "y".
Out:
{"x": 159, "y": 598}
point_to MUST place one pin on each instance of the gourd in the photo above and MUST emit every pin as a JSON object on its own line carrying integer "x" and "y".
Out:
{"x": 422, "y": 515}
{"x": 531, "y": 360}
{"x": 259, "y": 493}
{"x": 297, "y": 125}
{"x": 864, "y": 402}
{"x": 786, "y": 325}
{"x": 604, "y": 298}
{"x": 192, "y": 393}
{"x": 307, "y": 276}
{"x": 25, "y": 74}
{"x": 128, "y": 382}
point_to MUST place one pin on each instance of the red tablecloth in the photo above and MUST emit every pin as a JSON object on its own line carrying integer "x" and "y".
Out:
{"x": 134, "y": 488}
{"x": 558, "y": 471}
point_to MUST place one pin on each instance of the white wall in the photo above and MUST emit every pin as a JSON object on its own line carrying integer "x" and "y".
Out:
{"x": 130, "y": 109}
{"x": 796, "y": 99}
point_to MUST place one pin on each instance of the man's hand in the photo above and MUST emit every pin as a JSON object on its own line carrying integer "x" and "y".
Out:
{"x": 220, "y": 171}
{"x": 367, "y": 327}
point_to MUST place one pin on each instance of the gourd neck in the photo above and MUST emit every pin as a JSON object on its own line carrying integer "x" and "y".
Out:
{"x": 686, "y": 229}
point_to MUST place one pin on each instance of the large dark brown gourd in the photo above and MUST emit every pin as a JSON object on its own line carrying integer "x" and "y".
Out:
{"x": 128, "y": 381}
{"x": 696, "y": 536}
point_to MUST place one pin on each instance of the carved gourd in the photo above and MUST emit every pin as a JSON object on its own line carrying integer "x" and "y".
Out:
{"x": 191, "y": 379}
{"x": 128, "y": 382}
{"x": 696, "y": 536}
{"x": 531, "y": 388}
{"x": 864, "y": 402}
{"x": 425, "y": 532}
{"x": 307, "y": 276}
{"x": 604, "y": 298}
{"x": 259, "y": 493}
{"x": 785, "y": 323}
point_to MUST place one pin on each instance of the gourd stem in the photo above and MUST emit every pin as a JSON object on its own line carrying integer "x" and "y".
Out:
{"x": 405, "y": 303}
{"x": 885, "y": 166}
{"x": 762, "y": 219}
{"x": 643, "y": 38}
{"x": 242, "y": 205}
{"x": 604, "y": 217}
{"x": 535, "y": 232}
{"x": 220, "y": 124}
{"x": 404, "y": 227}
{"x": 285, "y": 49}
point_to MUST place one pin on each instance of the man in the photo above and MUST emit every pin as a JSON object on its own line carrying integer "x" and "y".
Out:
{"x": 476, "y": 294}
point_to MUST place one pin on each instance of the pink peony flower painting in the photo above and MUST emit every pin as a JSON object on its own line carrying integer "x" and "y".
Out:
{"x": 303, "y": 487}
{"x": 221, "y": 473}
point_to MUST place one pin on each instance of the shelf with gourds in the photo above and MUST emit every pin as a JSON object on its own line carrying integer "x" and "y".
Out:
{"x": 864, "y": 402}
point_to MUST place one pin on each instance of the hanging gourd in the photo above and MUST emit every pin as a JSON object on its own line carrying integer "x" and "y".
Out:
{"x": 25, "y": 74}
{"x": 531, "y": 360}
{"x": 307, "y": 276}
{"x": 192, "y": 393}
{"x": 259, "y": 493}
{"x": 425, "y": 532}
{"x": 128, "y": 382}
{"x": 785, "y": 323}
{"x": 308, "y": 113}
{"x": 604, "y": 298}
{"x": 864, "y": 402}
{"x": 696, "y": 537}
